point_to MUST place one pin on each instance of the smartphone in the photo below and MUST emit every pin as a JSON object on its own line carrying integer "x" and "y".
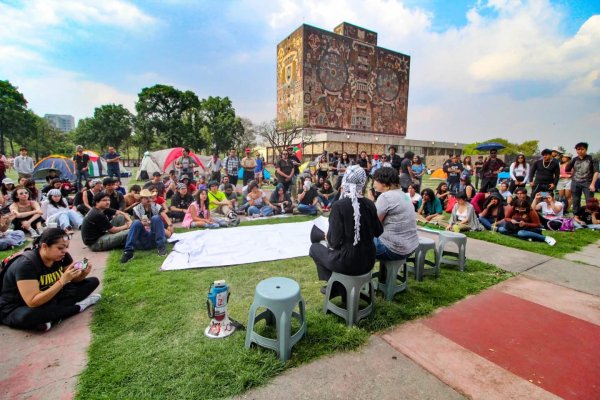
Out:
{"x": 81, "y": 265}
{"x": 543, "y": 195}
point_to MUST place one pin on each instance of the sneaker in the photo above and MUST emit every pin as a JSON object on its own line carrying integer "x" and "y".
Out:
{"x": 40, "y": 230}
{"x": 550, "y": 241}
{"x": 126, "y": 257}
{"x": 235, "y": 222}
{"x": 88, "y": 301}
{"x": 34, "y": 234}
{"x": 45, "y": 327}
{"x": 162, "y": 252}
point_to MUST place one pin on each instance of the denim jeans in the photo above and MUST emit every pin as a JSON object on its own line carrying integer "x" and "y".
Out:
{"x": 79, "y": 175}
{"x": 306, "y": 209}
{"x": 70, "y": 218}
{"x": 114, "y": 172}
{"x": 487, "y": 223}
{"x": 524, "y": 234}
{"x": 326, "y": 202}
{"x": 266, "y": 211}
{"x": 142, "y": 239}
{"x": 385, "y": 254}
{"x": 577, "y": 189}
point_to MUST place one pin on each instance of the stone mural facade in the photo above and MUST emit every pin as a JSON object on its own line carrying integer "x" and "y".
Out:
{"x": 342, "y": 81}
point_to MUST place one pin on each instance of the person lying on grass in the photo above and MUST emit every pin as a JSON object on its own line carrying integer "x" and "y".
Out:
{"x": 44, "y": 286}
{"x": 198, "y": 214}
{"x": 523, "y": 221}
{"x": 463, "y": 217}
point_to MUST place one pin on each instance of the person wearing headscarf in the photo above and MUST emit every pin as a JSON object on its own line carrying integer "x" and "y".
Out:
{"x": 353, "y": 223}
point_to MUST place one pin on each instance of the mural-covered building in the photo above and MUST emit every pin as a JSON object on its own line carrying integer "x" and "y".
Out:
{"x": 348, "y": 93}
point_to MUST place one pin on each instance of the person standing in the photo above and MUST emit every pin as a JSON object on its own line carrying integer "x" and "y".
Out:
{"x": 23, "y": 164}
{"x": 395, "y": 159}
{"x": 231, "y": 164}
{"x": 215, "y": 165}
{"x": 113, "y": 160}
{"x": 454, "y": 169}
{"x": 544, "y": 173}
{"x": 258, "y": 170}
{"x": 490, "y": 170}
{"x": 285, "y": 171}
{"x": 185, "y": 163}
{"x": 296, "y": 163}
{"x": 81, "y": 161}
{"x": 478, "y": 165}
{"x": 585, "y": 175}
{"x": 248, "y": 164}
{"x": 406, "y": 172}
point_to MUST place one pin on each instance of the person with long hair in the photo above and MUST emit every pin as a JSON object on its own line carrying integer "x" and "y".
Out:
{"x": 198, "y": 213}
{"x": 430, "y": 208}
{"x": 466, "y": 186}
{"x": 463, "y": 217}
{"x": 419, "y": 170}
{"x": 28, "y": 214}
{"x": 44, "y": 286}
{"x": 323, "y": 168}
{"x": 258, "y": 203}
{"x": 505, "y": 192}
{"x": 327, "y": 195}
{"x": 353, "y": 223}
{"x": 34, "y": 192}
{"x": 7, "y": 188}
{"x": 406, "y": 172}
{"x": 281, "y": 201}
{"x": 468, "y": 165}
{"x": 343, "y": 163}
{"x": 492, "y": 215}
{"x": 522, "y": 220}
{"x": 56, "y": 210}
{"x": 564, "y": 181}
{"x": 443, "y": 193}
{"x": 519, "y": 173}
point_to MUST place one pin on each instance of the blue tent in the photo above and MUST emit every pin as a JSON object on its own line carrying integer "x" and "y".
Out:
{"x": 266, "y": 174}
{"x": 64, "y": 166}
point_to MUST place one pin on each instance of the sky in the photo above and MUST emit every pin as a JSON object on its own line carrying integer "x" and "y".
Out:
{"x": 520, "y": 70}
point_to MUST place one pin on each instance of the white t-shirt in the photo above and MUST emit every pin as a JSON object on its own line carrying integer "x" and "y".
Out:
{"x": 549, "y": 213}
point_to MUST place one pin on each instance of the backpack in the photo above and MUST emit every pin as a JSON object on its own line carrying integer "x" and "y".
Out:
{"x": 567, "y": 225}
{"x": 8, "y": 261}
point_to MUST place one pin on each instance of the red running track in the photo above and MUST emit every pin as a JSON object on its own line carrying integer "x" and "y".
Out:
{"x": 553, "y": 350}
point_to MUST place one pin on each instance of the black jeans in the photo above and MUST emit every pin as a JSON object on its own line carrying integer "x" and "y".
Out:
{"x": 60, "y": 307}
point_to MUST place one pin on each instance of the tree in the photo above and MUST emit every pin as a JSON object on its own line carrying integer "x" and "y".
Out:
{"x": 161, "y": 112}
{"x": 529, "y": 148}
{"x": 221, "y": 126}
{"x": 112, "y": 125}
{"x": 49, "y": 140}
{"x": 281, "y": 135}
{"x": 15, "y": 120}
{"x": 84, "y": 133}
{"x": 246, "y": 138}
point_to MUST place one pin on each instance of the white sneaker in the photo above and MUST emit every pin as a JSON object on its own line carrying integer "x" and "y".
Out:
{"x": 88, "y": 301}
{"x": 40, "y": 231}
{"x": 34, "y": 234}
{"x": 550, "y": 241}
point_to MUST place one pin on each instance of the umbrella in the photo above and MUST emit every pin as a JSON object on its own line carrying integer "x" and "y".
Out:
{"x": 490, "y": 146}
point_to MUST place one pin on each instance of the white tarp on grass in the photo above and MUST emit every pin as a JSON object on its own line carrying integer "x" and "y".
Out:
{"x": 241, "y": 245}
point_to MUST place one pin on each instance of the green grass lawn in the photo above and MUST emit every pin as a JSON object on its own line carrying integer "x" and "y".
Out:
{"x": 148, "y": 330}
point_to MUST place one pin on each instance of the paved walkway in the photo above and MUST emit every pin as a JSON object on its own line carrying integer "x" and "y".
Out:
{"x": 556, "y": 300}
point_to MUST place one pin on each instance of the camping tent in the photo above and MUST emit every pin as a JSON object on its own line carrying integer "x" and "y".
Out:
{"x": 64, "y": 165}
{"x": 162, "y": 161}
{"x": 439, "y": 174}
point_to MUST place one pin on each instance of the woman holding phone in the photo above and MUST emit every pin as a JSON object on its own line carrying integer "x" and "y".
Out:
{"x": 43, "y": 285}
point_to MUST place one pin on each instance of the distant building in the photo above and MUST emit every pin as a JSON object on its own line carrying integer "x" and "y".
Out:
{"x": 63, "y": 123}
{"x": 347, "y": 93}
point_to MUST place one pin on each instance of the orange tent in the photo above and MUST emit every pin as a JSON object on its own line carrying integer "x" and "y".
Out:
{"x": 439, "y": 174}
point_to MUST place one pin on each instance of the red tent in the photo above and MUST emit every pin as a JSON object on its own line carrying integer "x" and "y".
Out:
{"x": 177, "y": 152}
